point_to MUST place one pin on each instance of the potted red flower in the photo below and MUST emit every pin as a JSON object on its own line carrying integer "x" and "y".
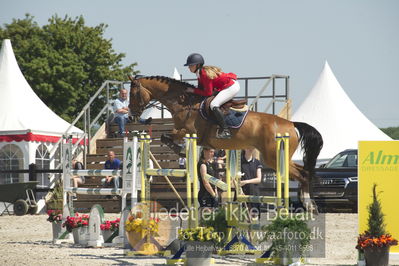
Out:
{"x": 55, "y": 218}
{"x": 110, "y": 229}
{"x": 78, "y": 225}
{"x": 375, "y": 241}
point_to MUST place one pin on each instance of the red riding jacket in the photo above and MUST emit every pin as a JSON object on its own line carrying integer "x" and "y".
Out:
{"x": 207, "y": 86}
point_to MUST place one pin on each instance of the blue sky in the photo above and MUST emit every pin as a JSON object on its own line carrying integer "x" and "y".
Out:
{"x": 359, "y": 39}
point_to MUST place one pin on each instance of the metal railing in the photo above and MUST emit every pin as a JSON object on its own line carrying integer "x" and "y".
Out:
{"x": 103, "y": 94}
{"x": 279, "y": 92}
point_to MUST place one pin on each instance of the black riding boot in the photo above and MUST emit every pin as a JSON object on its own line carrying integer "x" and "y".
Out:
{"x": 225, "y": 134}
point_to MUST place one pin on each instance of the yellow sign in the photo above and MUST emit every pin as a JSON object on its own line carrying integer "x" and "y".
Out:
{"x": 379, "y": 163}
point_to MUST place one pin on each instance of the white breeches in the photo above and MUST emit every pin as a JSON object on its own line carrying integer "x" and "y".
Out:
{"x": 225, "y": 95}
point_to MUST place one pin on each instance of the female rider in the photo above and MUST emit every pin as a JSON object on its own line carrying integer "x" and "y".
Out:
{"x": 211, "y": 79}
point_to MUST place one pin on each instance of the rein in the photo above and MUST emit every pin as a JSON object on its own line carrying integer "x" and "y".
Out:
{"x": 188, "y": 98}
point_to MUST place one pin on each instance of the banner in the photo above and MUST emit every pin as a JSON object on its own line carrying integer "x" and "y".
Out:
{"x": 379, "y": 163}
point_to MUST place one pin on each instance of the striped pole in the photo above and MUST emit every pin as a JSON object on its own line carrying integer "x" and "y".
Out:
{"x": 216, "y": 182}
{"x": 94, "y": 191}
{"x": 166, "y": 172}
{"x": 91, "y": 172}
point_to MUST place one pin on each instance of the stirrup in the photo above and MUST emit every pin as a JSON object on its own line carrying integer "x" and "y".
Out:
{"x": 225, "y": 134}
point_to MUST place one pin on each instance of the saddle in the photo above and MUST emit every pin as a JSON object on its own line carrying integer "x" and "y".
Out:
{"x": 235, "y": 112}
{"x": 237, "y": 105}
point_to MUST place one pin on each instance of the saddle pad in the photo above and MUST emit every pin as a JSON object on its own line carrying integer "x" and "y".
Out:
{"x": 234, "y": 118}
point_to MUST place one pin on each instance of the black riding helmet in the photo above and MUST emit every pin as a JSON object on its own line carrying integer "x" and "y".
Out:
{"x": 195, "y": 59}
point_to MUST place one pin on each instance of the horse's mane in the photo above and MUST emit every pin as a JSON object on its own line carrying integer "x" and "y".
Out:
{"x": 179, "y": 88}
{"x": 169, "y": 80}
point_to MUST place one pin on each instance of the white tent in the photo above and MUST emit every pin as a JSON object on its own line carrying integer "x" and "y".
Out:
{"x": 21, "y": 110}
{"x": 341, "y": 124}
{"x": 28, "y": 128}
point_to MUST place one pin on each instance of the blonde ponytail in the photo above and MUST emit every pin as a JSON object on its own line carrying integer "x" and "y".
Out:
{"x": 212, "y": 71}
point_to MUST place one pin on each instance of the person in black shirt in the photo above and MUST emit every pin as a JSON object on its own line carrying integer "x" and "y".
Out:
{"x": 252, "y": 170}
{"x": 207, "y": 195}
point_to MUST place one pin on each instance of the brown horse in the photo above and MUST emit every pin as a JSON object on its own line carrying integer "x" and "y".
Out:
{"x": 258, "y": 130}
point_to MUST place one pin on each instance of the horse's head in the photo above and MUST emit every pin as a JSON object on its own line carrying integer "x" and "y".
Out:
{"x": 139, "y": 97}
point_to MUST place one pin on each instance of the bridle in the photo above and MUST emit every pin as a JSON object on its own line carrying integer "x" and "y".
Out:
{"x": 141, "y": 104}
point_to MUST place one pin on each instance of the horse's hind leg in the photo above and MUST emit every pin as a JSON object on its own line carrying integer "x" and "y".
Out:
{"x": 298, "y": 173}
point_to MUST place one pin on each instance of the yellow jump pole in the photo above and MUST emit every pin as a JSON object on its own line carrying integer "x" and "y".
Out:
{"x": 194, "y": 174}
{"x": 147, "y": 159}
{"x": 278, "y": 171}
{"x": 188, "y": 176}
{"x": 286, "y": 172}
{"x": 229, "y": 197}
{"x": 143, "y": 169}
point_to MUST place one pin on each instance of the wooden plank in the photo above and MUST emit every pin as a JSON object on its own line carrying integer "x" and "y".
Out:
{"x": 161, "y": 149}
{"x": 96, "y": 158}
{"x": 118, "y": 142}
{"x": 162, "y": 120}
{"x": 173, "y": 179}
{"x": 94, "y": 166}
{"x": 171, "y": 165}
{"x": 116, "y": 150}
{"x": 167, "y": 157}
{"x": 166, "y": 195}
{"x": 140, "y": 127}
{"x": 163, "y": 187}
{"x": 109, "y": 143}
{"x": 109, "y": 206}
{"x": 119, "y": 150}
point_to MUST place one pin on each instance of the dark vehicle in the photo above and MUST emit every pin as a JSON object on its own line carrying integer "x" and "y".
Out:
{"x": 335, "y": 185}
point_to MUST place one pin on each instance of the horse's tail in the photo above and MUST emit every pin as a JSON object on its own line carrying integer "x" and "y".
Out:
{"x": 311, "y": 144}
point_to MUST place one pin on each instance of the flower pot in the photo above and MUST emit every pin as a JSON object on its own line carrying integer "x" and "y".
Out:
{"x": 106, "y": 235}
{"x": 81, "y": 235}
{"x": 134, "y": 238}
{"x": 376, "y": 256}
{"x": 199, "y": 253}
{"x": 57, "y": 230}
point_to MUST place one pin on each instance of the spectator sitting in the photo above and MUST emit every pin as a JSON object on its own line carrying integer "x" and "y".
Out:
{"x": 111, "y": 164}
{"x": 77, "y": 180}
{"x": 121, "y": 110}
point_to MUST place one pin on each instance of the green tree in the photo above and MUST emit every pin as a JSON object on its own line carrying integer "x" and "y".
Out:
{"x": 393, "y": 132}
{"x": 375, "y": 221}
{"x": 65, "y": 61}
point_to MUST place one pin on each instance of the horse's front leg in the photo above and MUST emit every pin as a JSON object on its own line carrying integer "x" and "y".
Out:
{"x": 171, "y": 139}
